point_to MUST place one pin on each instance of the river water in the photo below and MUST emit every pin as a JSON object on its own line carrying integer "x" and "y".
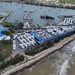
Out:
{"x": 18, "y": 11}
{"x": 59, "y": 63}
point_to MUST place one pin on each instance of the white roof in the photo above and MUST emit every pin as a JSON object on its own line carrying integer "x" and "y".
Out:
{"x": 26, "y": 25}
{"x": 7, "y": 38}
{"x": 14, "y": 46}
{"x": 14, "y": 37}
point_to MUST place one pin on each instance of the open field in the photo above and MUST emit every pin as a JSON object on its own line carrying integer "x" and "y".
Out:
{"x": 5, "y": 49}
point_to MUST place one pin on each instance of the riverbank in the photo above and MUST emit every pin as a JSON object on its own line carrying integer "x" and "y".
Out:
{"x": 40, "y": 56}
{"x": 47, "y": 4}
{"x": 59, "y": 5}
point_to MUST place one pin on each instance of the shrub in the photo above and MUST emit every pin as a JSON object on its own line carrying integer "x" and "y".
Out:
{"x": 6, "y": 32}
{"x": 12, "y": 61}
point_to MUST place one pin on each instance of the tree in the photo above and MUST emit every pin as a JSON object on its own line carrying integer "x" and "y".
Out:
{"x": 6, "y": 32}
{"x": 11, "y": 30}
{"x": 20, "y": 26}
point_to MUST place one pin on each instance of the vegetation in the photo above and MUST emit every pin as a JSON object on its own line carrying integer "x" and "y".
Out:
{"x": 12, "y": 27}
{"x": 6, "y": 32}
{"x": 7, "y": 24}
{"x": 11, "y": 30}
{"x": 46, "y": 17}
{"x": 5, "y": 49}
{"x": 1, "y": 18}
{"x": 20, "y": 25}
{"x": 45, "y": 45}
{"x": 18, "y": 58}
{"x": 38, "y": 48}
{"x": 67, "y": 1}
{"x": 10, "y": 24}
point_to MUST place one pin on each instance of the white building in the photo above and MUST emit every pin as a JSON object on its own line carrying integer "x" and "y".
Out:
{"x": 7, "y": 38}
{"x": 26, "y": 25}
{"x": 2, "y": 36}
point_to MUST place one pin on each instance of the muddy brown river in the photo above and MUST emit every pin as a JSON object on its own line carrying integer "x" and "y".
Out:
{"x": 59, "y": 63}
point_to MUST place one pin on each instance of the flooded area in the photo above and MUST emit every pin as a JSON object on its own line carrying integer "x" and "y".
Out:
{"x": 18, "y": 11}
{"x": 59, "y": 63}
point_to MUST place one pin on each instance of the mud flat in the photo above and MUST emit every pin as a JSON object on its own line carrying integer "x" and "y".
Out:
{"x": 39, "y": 56}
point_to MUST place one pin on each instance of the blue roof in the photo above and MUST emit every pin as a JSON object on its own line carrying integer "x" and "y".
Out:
{"x": 1, "y": 34}
{"x": 2, "y": 28}
{"x": 15, "y": 25}
{"x": 40, "y": 39}
{"x": 36, "y": 36}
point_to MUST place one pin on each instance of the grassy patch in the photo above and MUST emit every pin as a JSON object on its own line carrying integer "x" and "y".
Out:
{"x": 5, "y": 49}
{"x": 7, "y": 24}
{"x": 18, "y": 58}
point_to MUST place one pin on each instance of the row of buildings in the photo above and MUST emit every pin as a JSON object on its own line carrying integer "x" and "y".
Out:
{"x": 40, "y": 36}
